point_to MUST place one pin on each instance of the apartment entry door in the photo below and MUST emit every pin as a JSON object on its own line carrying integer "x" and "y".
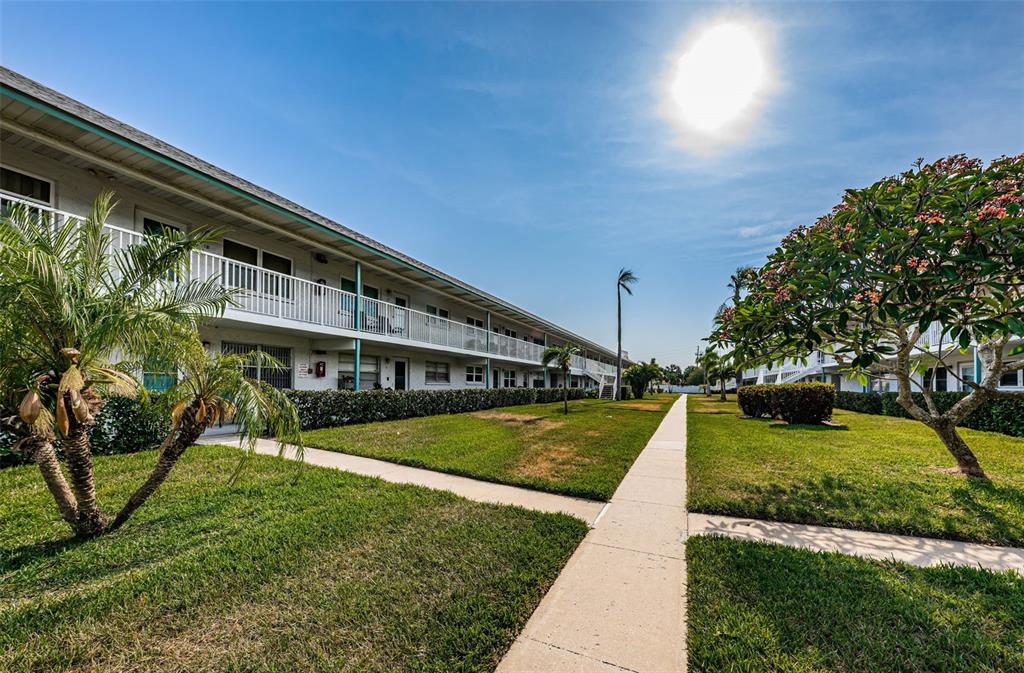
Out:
{"x": 401, "y": 373}
{"x": 401, "y": 320}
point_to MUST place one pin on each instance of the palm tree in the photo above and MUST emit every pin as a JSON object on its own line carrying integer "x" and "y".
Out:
{"x": 213, "y": 389}
{"x": 740, "y": 280}
{"x": 626, "y": 278}
{"x": 72, "y": 301}
{"x": 709, "y": 362}
{"x": 561, "y": 356}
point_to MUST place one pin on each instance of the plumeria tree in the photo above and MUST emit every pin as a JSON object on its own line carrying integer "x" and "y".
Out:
{"x": 941, "y": 244}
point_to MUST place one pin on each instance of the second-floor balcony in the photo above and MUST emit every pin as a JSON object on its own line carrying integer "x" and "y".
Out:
{"x": 268, "y": 297}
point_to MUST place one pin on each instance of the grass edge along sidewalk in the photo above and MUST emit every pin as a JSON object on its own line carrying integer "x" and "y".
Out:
{"x": 874, "y": 473}
{"x": 584, "y": 454}
{"x": 301, "y": 569}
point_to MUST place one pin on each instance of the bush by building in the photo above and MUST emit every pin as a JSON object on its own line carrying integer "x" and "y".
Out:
{"x": 332, "y": 408}
{"x": 1001, "y": 415}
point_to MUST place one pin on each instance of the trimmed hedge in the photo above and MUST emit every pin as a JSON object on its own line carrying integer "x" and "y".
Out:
{"x": 1000, "y": 415}
{"x": 865, "y": 403}
{"x": 803, "y": 403}
{"x": 333, "y": 408}
{"x": 123, "y": 425}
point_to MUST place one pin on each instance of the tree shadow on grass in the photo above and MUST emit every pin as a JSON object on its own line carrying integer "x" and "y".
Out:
{"x": 980, "y": 497}
{"x": 811, "y": 428}
{"x": 979, "y": 512}
{"x": 756, "y": 606}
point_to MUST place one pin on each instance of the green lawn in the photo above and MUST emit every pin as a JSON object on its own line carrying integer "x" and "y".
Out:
{"x": 871, "y": 472}
{"x": 287, "y": 570}
{"x": 586, "y": 453}
{"x": 762, "y": 607}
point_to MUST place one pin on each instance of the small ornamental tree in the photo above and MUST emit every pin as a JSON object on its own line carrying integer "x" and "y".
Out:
{"x": 561, "y": 357}
{"x": 941, "y": 244}
{"x": 639, "y": 376}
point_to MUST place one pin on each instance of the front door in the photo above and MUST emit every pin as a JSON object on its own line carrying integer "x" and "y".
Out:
{"x": 401, "y": 374}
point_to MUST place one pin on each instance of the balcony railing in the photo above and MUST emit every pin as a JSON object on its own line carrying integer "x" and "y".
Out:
{"x": 273, "y": 294}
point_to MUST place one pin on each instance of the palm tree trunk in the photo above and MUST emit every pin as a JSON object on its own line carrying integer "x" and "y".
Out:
{"x": 565, "y": 392}
{"x": 722, "y": 389}
{"x": 618, "y": 356}
{"x": 91, "y": 520}
{"x": 182, "y": 436}
{"x": 45, "y": 457}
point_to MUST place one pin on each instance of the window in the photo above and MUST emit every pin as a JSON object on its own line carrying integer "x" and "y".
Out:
{"x": 272, "y": 262}
{"x": 940, "y": 379}
{"x": 474, "y": 374}
{"x": 538, "y": 341}
{"x": 371, "y": 292}
{"x": 508, "y": 378}
{"x": 475, "y": 322}
{"x": 538, "y": 379}
{"x": 152, "y": 227}
{"x": 26, "y": 186}
{"x": 272, "y": 283}
{"x": 369, "y": 371}
{"x": 348, "y": 285}
{"x": 278, "y": 377}
{"x": 240, "y": 276}
{"x": 158, "y": 382}
{"x": 439, "y": 312}
{"x": 1010, "y": 378}
{"x": 967, "y": 374}
{"x": 241, "y": 252}
{"x": 510, "y": 333}
{"x": 437, "y": 372}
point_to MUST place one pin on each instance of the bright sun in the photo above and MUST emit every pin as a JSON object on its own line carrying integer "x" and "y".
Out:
{"x": 718, "y": 77}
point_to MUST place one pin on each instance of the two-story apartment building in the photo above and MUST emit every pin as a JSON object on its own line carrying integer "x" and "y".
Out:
{"x": 338, "y": 308}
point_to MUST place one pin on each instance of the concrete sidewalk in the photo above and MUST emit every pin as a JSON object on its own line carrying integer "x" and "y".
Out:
{"x": 918, "y": 551}
{"x": 620, "y": 602}
{"x": 473, "y": 489}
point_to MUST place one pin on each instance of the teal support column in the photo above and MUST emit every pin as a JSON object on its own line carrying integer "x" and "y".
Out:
{"x": 359, "y": 322}
{"x": 359, "y": 353}
{"x": 487, "y": 324}
{"x": 977, "y": 366}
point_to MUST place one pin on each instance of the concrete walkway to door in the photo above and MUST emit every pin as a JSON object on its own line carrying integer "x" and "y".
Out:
{"x": 620, "y": 602}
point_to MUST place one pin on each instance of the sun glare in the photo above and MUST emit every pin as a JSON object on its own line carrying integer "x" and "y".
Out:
{"x": 718, "y": 77}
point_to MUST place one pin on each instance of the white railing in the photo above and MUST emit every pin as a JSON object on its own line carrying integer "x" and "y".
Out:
{"x": 270, "y": 293}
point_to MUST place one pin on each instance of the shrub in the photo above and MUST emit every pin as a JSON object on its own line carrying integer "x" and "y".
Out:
{"x": 332, "y": 408}
{"x": 804, "y": 403}
{"x": 123, "y": 425}
{"x": 865, "y": 403}
{"x": 753, "y": 400}
{"x": 128, "y": 425}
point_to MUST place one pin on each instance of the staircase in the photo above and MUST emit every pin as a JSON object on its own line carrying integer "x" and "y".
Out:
{"x": 607, "y": 391}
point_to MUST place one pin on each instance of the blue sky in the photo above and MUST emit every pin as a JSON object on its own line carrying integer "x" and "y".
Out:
{"x": 521, "y": 147}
